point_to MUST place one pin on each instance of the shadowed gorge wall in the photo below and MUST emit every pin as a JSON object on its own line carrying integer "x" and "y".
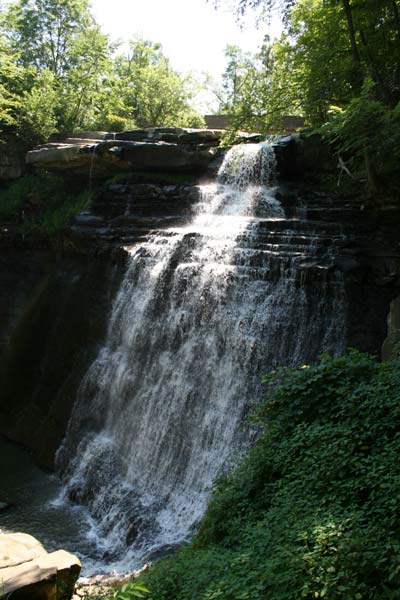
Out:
{"x": 54, "y": 312}
{"x": 55, "y": 302}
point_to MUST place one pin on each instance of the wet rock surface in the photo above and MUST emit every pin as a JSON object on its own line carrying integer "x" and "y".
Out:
{"x": 53, "y": 314}
{"x": 54, "y": 298}
{"x": 125, "y": 211}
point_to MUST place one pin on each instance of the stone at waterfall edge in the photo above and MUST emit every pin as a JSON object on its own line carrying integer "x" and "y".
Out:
{"x": 28, "y": 572}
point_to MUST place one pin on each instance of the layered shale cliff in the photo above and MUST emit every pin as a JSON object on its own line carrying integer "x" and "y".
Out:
{"x": 56, "y": 296}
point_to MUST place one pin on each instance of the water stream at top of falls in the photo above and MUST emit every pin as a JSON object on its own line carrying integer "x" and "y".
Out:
{"x": 198, "y": 319}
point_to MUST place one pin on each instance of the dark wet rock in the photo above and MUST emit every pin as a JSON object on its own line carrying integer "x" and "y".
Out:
{"x": 391, "y": 345}
{"x": 300, "y": 155}
{"x": 53, "y": 315}
{"x": 87, "y": 219}
{"x": 346, "y": 264}
{"x": 5, "y": 506}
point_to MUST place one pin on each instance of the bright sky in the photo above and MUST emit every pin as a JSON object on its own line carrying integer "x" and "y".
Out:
{"x": 193, "y": 34}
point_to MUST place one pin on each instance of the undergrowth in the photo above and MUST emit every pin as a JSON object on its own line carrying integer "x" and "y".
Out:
{"x": 42, "y": 203}
{"x": 313, "y": 512}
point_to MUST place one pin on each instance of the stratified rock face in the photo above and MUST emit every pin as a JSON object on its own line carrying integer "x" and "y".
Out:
{"x": 172, "y": 135}
{"x": 54, "y": 306}
{"x": 158, "y": 149}
{"x": 28, "y": 572}
{"x": 53, "y": 312}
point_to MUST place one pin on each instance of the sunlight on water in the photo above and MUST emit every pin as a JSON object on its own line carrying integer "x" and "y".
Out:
{"x": 195, "y": 323}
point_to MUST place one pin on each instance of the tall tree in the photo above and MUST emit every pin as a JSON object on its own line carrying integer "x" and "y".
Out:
{"x": 44, "y": 31}
{"x": 250, "y": 94}
{"x": 339, "y": 60}
{"x": 64, "y": 58}
{"x": 153, "y": 93}
{"x": 10, "y": 86}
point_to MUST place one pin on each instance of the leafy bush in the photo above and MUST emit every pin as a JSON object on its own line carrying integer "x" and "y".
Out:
{"x": 368, "y": 133}
{"x": 40, "y": 203}
{"x": 131, "y": 591}
{"x": 313, "y": 512}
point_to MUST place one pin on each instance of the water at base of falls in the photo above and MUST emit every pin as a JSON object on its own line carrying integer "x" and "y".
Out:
{"x": 28, "y": 497}
{"x": 198, "y": 319}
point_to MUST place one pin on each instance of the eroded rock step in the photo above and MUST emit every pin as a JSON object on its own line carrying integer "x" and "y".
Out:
{"x": 28, "y": 572}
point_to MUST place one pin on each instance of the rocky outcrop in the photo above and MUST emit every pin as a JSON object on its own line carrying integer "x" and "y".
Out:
{"x": 126, "y": 211}
{"x": 159, "y": 149}
{"x": 28, "y": 572}
{"x": 302, "y": 154}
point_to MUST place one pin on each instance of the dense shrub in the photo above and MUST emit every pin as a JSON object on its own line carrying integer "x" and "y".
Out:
{"x": 41, "y": 203}
{"x": 367, "y": 134}
{"x": 313, "y": 512}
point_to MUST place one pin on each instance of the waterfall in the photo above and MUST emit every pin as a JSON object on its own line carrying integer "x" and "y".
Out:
{"x": 203, "y": 311}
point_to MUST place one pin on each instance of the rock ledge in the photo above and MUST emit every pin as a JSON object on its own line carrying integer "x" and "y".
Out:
{"x": 100, "y": 155}
{"x": 28, "y": 572}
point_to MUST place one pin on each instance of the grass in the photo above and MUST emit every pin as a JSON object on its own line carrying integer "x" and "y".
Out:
{"x": 40, "y": 203}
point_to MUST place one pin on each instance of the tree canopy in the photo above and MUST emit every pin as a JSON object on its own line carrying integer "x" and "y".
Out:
{"x": 59, "y": 71}
{"x": 337, "y": 64}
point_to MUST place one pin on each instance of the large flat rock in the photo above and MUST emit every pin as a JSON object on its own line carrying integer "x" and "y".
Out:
{"x": 28, "y": 572}
{"x": 17, "y": 548}
{"x": 160, "y": 149}
{"x": 173, "y": 135}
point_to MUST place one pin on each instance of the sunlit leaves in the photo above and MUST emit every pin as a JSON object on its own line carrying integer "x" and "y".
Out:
{"x": 131, "y": 591}
{"x": 313, "y": 512}
{"x": 153, "y": 93}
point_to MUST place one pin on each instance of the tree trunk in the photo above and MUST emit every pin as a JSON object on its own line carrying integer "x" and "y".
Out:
{"x": 357, "y": 73}
{"x": 382, "y": 92}
{"x": 375, "y": 193}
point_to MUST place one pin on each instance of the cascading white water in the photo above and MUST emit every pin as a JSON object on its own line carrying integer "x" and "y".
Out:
{"x": 197, "y": 320}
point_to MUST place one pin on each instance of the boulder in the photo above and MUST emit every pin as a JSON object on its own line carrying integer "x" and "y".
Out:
{"x": 18, "y": 548}
{"x": 28, "y": 572}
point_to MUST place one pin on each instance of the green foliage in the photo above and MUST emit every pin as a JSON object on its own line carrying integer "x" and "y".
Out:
{"x": 369, "y": 133}
{"x": 246, "y": 84}
{"x": 60, "y": 73}
{"x": 130, "y": 591}
{"x": 333, "y": 53}
{"x": 151, "y": 92}
{"x": 43, "y": 32}
{"x": 40, "y": 203}
{"x": 313, "y": 511}
{"x": 36, "y": 118}
{"x": 56, "y": 57}
{"x": 10, "y": 80}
